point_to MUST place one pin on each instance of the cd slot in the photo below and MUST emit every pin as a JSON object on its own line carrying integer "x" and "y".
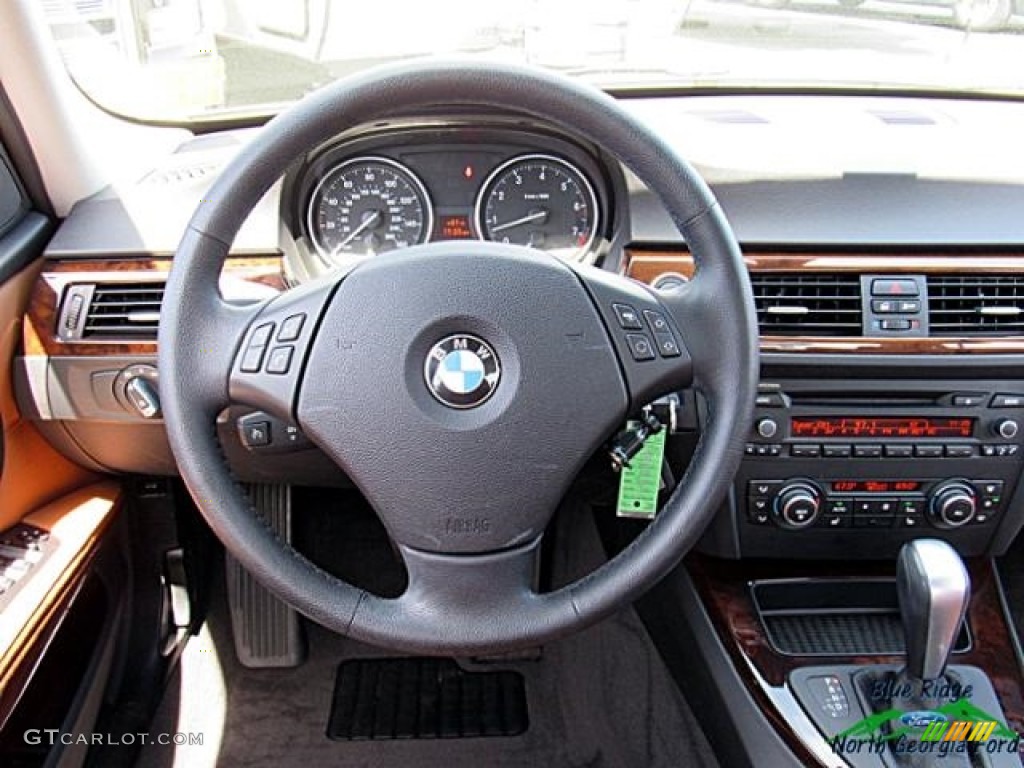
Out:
{"x": 867, "y": 400}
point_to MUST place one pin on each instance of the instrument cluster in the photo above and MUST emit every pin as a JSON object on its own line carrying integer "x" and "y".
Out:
{"x": 377, "y": 194}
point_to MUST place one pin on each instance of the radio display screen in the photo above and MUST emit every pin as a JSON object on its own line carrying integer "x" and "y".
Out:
{"x": 887, "y": 426}
{"x": 876, "y": 486}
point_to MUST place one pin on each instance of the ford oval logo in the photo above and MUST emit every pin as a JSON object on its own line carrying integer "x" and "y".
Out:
{"x": 922, "y": 718}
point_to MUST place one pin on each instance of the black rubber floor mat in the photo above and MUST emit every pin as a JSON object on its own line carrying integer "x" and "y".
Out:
{"x": 424, "y": 698}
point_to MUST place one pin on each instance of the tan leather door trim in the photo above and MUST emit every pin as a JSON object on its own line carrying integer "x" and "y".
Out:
{"x": 33, "y": 472}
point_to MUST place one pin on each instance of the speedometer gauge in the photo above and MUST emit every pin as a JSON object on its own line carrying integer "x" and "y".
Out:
{"x": 539, "y": 201}
{"x": 366, "y": 206}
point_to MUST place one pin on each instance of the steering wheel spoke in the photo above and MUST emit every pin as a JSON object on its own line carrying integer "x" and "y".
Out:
{"x": 648, "y": 343}
{"x": 273, "y": 347}
{"x": 470, "y": 599}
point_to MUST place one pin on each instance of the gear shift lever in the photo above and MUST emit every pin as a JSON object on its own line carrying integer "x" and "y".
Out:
{"x": 933, "y": 588}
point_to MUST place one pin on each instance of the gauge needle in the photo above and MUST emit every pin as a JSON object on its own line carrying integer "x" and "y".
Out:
{"x": 535, "y": 216}
{"x": 369, "y": 221}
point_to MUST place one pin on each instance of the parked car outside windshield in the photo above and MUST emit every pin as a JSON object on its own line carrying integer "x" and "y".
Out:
{"x": 184, "y": 60}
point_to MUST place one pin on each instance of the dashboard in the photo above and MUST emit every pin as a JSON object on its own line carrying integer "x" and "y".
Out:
{"x": 888, "y": 278}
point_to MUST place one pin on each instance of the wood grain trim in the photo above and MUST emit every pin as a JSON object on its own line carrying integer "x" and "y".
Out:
{"x": 76, "y": 523}
{"x": 724, "y": 587}
{"x": 39, "y": 337}
{"x": 647, "y": 266}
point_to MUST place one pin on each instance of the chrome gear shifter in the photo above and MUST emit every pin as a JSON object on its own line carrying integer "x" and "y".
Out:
{"x": 933, "y": 589}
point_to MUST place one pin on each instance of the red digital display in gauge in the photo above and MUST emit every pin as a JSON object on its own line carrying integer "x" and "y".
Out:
{"x": 859, "y": 426}
{"x": 454, "y": 228}
{"x": 876, "y": 486}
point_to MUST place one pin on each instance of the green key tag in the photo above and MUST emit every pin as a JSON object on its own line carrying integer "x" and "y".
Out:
{"x": 640, "y": 482}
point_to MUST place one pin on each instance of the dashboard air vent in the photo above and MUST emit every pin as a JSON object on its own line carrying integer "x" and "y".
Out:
{"x": 808, "y": 305}
{"x": 976, "y": 305}
{"x": 123, "y": 311}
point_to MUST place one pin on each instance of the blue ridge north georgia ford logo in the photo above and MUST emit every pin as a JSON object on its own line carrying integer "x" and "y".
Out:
{"x": 462, "y": 371}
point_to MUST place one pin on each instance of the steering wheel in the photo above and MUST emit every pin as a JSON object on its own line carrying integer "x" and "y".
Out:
{"x": 460, "y": 385}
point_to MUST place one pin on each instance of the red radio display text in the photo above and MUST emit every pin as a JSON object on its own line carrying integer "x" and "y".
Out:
{"x": 882, "y": 427}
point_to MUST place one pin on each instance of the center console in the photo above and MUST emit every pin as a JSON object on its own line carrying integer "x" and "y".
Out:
{"x": 855, "y": 469}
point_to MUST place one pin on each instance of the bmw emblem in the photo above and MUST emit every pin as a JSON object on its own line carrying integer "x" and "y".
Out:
{"x": 462, "y": 371}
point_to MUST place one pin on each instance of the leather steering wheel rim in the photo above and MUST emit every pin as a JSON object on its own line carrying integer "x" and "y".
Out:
{"x": 458, "y": 601}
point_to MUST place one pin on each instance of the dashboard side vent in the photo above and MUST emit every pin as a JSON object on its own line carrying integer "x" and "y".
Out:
{"x": 112, "y": 311}
{"x": 976, "y": 305}
{"x": 808, "y": 305}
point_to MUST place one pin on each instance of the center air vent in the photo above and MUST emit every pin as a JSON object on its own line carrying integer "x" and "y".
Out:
{"x": 114, "y": 311}
{"x": 807, "y": 305}
{"x": 976, "y": 305}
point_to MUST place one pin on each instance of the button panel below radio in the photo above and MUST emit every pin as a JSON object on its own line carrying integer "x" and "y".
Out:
{"x": 802, "y": 504}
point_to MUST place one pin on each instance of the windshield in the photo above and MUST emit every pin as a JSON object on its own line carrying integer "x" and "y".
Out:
{"x": 190, "y": 59}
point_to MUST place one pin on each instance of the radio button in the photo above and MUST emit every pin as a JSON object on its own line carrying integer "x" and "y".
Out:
{"x": 899, "y": 451}
{"x": 1007, "y": 401}
{"x": 763, "y": 487}
{"x": 770, "y": 400}
{"x": 959, "y": 451}
{"x": 867, "y": 451}
{"x": 837, "y": 451}
{"x": 767, "y": 428}
{"x": 928, "y": 451}
{"x": 805, "y": 451}
{"x": 911, "y": 507}
{"x": 885, "y": 506}
{"x": 990, "y": 487}
{"x": 873, "y": 521}
{"x": 838, "y": 507}
{"x": 969, "y": 400}
{"x": 1000, "y": 450}
{"x": 759, "y": 511}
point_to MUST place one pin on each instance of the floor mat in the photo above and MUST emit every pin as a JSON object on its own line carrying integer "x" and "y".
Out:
{"x": 598, "y": 699}
{"x": 424, "y": 698}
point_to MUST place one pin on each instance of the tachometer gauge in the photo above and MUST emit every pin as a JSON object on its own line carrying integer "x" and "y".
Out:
{"x": 539, "y": 201}
{"x": 366, "y": 206}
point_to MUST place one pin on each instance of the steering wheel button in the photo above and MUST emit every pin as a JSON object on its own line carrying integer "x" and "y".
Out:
{"x": 640, "y": 347}
{"x": 667, "y": 345}
{"x": 628, "y": 317}
{"x": 255, "y": 433}
{"x": 657, "y": 322}
{"x": 261, "y": 336}
{"x": 280, "y": 360}
{"x": 291, "y": 328}
{"x": 252, "y": 360}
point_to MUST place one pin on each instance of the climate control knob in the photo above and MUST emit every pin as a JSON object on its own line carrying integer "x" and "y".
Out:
{"x": 797, "y": 505}
{"x": 953, "y": 504}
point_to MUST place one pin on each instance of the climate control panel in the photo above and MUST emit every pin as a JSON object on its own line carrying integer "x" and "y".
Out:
{"x": 798, "y": 504}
